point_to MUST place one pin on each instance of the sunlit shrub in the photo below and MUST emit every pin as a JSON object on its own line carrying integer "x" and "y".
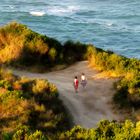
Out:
{"x": 40, "y": 86}
{"x": 106, "y": 130}
{"x": 21, "y": 133}
{"x": 38, "y": 135}
{"x": 52, "y": 54}
{"x": 128, "y": 88}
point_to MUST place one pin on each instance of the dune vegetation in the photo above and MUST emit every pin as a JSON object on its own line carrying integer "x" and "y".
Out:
{"x": 20, "y": 46}
{"x": 31, "y": 109}
{"x": 128, "y": 69}
{"x": 105, "y": 131}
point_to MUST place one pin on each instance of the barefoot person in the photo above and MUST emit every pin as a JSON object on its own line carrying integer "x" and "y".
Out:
{"x": 83, "y": 80}
{"x": 76, "y": 83}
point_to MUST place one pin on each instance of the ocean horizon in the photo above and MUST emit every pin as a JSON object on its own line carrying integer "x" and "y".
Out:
{"x": 108, "y": 24}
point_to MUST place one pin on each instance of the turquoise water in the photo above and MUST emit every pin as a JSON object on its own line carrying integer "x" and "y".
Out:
{"x": 108, "y": 24}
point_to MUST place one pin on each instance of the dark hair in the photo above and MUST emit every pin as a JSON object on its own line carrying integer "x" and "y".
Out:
{"x": 75, "y": 77}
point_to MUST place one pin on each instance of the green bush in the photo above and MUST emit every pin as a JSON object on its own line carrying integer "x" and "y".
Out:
{"x": 105, "y": 131}
{"x": 73, "y": 52}
{"x": 5, "y": 84}
{"x": 128, "y": 88}
{"x": 33, "y": 103}
{"x": 24, "y": 133}
{"x": 21, "y": 46}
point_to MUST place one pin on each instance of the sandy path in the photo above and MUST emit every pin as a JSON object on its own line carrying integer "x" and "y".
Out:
{"x": 89, "y": 105}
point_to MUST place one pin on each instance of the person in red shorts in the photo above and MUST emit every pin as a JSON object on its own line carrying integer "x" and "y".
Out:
{"x": 76, "y": 83}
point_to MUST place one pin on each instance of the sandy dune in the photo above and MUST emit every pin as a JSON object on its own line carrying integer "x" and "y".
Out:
{"x": 89, "y": 105}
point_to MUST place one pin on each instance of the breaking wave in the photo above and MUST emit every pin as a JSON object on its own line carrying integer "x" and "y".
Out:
{"x": 37, "y": 13}
{"x": 62, "y": 10}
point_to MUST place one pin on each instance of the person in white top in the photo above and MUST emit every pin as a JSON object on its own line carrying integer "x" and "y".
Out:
{"x": 83, "y": 80}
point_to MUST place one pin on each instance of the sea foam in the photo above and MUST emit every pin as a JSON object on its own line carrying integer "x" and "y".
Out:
{"x": 62, "y": 10}
{"x": 37, "y": 13}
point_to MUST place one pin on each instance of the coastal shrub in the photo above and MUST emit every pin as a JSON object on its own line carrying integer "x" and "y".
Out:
{"x": 106, "y": 130}
{"x": 31, "y": 103}
{"x": 131, "y": 89}
{"x": 52, "y": 54}
{"x": 20, "y": 46}
{"x": 37, "y": 135}
{"x": 128, "y": 88}
{"x": 35, "y": 104}
{"x": 73, "y": 51}
{"x": 5, "y": 84}
{"x": 106, "y": 61}
{"x": 40, "y": 86}
{"x": 55, "y": 52}
{"x": 23, "y": 132}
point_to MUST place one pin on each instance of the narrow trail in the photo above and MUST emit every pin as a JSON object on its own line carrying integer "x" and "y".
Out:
{"x": 89, "y": 105}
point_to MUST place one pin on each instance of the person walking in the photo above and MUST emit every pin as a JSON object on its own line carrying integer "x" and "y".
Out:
{"x": 83, "y": 80}
{"x": 76, "y": 83}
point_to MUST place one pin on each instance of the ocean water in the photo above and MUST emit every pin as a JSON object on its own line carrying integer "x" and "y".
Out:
{"x": 108, "y": 24}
